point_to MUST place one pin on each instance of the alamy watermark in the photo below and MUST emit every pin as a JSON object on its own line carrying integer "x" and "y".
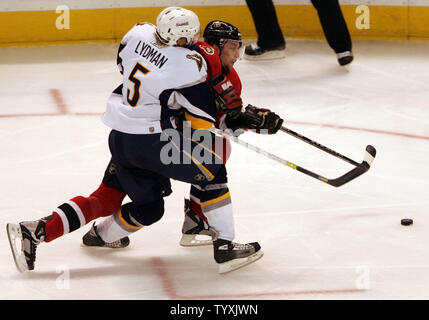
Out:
{"x": 63, "y": 20}
{"x": 363, "y": 20}
{"x": 63, "y": 280}
{"x": 363, "y": 280}
{"x": 196, "y": 146}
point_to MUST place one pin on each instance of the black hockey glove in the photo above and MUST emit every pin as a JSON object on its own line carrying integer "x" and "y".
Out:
{"x": 261, "y": 119}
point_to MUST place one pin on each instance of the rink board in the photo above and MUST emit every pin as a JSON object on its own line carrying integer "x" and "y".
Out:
{"x": 25, "y": 24}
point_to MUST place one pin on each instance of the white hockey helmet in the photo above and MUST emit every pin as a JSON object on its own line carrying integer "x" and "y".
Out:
{"x": 174, "y": 23}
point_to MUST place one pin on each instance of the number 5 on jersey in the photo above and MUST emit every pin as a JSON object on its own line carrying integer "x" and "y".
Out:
{"x": 137, "y": 83}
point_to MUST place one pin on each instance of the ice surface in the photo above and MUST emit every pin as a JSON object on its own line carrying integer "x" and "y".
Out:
{"x": 320, "y": 242}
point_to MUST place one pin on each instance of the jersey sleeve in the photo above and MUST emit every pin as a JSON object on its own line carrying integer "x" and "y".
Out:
{"x": 235, "y": 80}
{"x": 197, "y": 102}
{"x": 236, "y": 83}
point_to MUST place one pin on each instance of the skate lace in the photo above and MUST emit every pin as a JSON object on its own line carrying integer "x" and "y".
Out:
{"x": 114, "y": 244}
{"x": 37, "y": 240}
{"x": 33, "y": 247}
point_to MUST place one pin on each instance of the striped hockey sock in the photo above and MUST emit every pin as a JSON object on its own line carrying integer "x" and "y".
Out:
{"x": 79, "y": 211}
{"x": 215, "y": 202}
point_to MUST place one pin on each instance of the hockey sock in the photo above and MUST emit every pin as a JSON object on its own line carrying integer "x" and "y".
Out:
{"x": 129, "y": 219}
{"x": 216, "y": 206}
{"x": 117, "y": 226}
{"x": 79, "y": 211}
{"x": 195, "y": 201}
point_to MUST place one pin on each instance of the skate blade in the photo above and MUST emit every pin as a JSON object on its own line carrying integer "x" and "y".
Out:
{"x": 239, "y": 263}
{"x": 195, "y": 240}
{"x": 83, "y": 245}
{"x": 14, "y": 234}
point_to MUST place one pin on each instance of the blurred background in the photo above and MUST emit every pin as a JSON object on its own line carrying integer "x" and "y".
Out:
{"x": 47, "y": 21}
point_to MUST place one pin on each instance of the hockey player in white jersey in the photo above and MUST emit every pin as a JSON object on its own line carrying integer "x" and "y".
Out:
{"x": 162, "y": 82}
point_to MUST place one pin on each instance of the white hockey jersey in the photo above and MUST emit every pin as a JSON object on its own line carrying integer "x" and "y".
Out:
{"x": 158, "y": 80}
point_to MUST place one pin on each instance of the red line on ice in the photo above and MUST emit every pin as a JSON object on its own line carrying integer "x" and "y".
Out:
{"x": 59, "y": 101}
{"x": 168, "y": 285}
{"x": 333, "y": 126}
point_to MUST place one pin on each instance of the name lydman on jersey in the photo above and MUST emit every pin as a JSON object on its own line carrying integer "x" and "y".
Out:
{"x": 151, "y": 54}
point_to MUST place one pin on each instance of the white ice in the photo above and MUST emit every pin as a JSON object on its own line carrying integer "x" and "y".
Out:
{"x": 320, "y": 242}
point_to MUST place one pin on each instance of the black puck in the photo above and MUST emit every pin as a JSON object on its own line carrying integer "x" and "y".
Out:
{"x": 406, "y": 222}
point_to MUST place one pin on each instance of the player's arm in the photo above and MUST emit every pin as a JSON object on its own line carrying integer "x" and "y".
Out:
{"x": 232, "y": 116}
{"x": 192, "y": 94}
{"x": 196, "y": 102}
{"x": 261, "y": 120}
{"x": 227, "y": 98}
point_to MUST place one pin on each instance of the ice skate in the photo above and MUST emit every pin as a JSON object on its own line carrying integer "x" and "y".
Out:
{"x": 92, "y": 239}
{"x": 195, "y": 231}
{"x": 345, "y": 58}
{"x": 231, "y": 255}
{"x": 255, "y": 52}
{"x": 24, "y": 239}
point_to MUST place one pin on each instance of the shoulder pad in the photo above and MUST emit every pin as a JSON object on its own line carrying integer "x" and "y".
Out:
{"x": 214, "y": 65}
{"x": 206, "y": 48}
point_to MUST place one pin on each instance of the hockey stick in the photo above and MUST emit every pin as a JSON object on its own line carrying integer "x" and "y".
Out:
{"x": 360, "y": 168}
{"x": 320, "y": 146}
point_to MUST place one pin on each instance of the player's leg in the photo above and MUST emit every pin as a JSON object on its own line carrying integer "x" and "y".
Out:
{"x": 335, "y": 29}
{"x": 215, "y": 202}
{"x": 66, "y": 218}
{"x": 146, "y": 189}
{"x": 216, "y": 205}
{"x": 129, "y": 219}
{"x": 79, "y": 211}
{"x": 270, "y": 43}
{"x": 195, "y": 229}
{"x": 210, "y": 176}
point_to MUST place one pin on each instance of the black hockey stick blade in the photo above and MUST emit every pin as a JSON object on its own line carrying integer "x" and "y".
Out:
{"x": 363, "y": 167}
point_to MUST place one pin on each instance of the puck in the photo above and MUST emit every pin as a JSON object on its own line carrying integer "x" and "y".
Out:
{"x": 406, "y": 222}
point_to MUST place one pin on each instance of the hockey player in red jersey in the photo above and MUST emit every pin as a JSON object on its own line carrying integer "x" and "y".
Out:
{"x": 221, "y": 50}
{"x": 107, "y": 199}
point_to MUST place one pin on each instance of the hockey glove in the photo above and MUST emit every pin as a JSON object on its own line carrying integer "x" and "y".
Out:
{"x": 227, "y": 99}
{"x": 261, "y": 119}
